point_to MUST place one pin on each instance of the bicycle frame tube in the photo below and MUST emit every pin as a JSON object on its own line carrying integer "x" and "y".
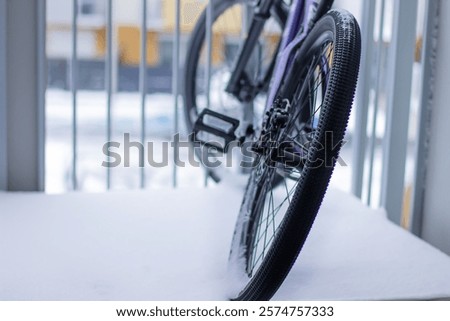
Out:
{"x": 302, "y": 16}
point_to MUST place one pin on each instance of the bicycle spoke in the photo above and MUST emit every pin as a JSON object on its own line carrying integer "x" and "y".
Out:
{"x": 287, "y": 191}
{"x": 270, "y": 219}
{"x": 273, "y": 206}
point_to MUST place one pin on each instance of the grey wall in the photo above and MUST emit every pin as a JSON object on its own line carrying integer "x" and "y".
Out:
{"x": 22, "y": 64}
{"x": 436, "y": 211}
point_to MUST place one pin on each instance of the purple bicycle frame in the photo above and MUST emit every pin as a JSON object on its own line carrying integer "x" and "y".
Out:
{"x": 291, "y": 38}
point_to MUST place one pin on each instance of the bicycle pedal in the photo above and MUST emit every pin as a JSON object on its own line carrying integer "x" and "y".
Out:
{"x": 216, "y": 130}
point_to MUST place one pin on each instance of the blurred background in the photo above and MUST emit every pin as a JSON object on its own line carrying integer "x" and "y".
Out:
{"x": 98, "y": 86}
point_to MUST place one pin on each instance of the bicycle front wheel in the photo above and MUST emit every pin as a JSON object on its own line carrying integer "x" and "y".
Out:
{"x": 274, "y": 221}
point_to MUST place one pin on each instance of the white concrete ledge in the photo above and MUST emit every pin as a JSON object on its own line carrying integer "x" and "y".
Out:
{"x": 173, "y": 245}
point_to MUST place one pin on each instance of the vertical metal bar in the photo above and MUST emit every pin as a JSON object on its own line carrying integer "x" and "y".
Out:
{"x": 436, "y": 221}
{"x": 115, "y": 57}
{"x": 429, "y": 52}
{"x": 41, "y": 89}
{"x": 399, "y": 75}
{"x": 108, "y": 84}
{"x": 252, "y": 66}
{"x": 363, "y": 96}
{"x": 74, "y": 82}
{"x": 373, "y": 137}
{"x": 3, "y": 103}
{"x": 176, "y": 86}
{"x": 209, "y": 20}
{"x": 143, "y": 86}
{"x": 209, "y": 25}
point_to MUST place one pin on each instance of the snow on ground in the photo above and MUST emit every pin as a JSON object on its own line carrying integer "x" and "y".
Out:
{"x": 169, "y": 244}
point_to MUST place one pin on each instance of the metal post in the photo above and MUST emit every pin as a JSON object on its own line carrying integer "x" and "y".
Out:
{"x": 3, "y": 100}
{"x": 74, "y": 81}
{"x": 363, "y": 96}
{"x": 429, "y": 53}
{"x": 115, "y": 55}
{"x": 252, "y": 67}
{"x": 176, "y": 86}
{"x": 209, "y": 22}
{"x": 108, "y": 84}
{"x": 399, "y": 77}
{"x": 209, "y": 25}
{"x": 143, "y": 86}
{"x": 41, "y": 89}
{"x": 436, "y": 221}
{"x": 373, "y": 137}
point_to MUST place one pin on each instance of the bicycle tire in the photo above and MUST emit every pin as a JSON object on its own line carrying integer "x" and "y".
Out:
{"x": 193, "y": 56}
{"x": 260, "y": 282}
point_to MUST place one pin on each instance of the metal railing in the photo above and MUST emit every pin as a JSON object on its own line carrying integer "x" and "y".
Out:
{"x": 109, "y": 83}
{"x": 387, "y": 69}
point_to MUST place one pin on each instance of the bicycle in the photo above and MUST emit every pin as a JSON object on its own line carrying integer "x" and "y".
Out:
{"x": 309, "y": 84}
